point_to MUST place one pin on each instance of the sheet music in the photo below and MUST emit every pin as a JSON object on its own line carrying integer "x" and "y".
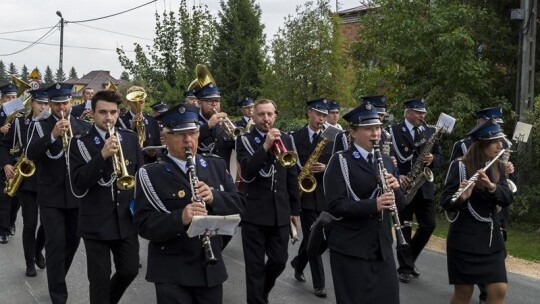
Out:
{"x": 218, "y": 224}
{"x": 330, "y": 132}
{"x": 446, "y": 122}
{"x": 12, "y": 106}
{"x": 522, "y": 131}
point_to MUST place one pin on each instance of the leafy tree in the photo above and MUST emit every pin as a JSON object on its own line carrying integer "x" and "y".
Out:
{"x": 309, "y": 60}
{"x": 13, "y": 70}
{"x": 124, "y": 76}
{"x": 60, "y": 75}
{"x": 24, "y": 73}
{"x": 3, "y": 76}
{"x": 180, "y": 41}
{"x": 453, "y": 53}
{"x": 49, "y": 77}
{"x": 238, "y": 56}
{"x": 73, "y": 73}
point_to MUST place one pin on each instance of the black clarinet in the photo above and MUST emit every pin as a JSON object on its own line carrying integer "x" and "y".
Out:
{"x": 385, "y": 189}
{"x": 210, "y": 259}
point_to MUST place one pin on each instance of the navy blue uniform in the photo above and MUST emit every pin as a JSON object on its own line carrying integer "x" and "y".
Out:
{"x": 360, "y": 243}
{"x": 151, "y": 129}
{"x": 215, "y": 141}
{"x": 174, "y": 259}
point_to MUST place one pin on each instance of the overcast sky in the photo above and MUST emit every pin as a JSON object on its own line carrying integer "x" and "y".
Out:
{"x": 16, "y": 15}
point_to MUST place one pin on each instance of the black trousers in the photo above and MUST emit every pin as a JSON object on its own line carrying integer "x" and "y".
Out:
{"x": 32, "y": 244}
{"x": 5, "y": 207}
{"x": 307, "y": 218}
{"x": 424, "y": 210}
{"x": 177, "y": 294}
{"x": 259, "y": 241}
{"x": 61, "y": 243}
{"x": 15, "y": 206}
{"x": 104, "y": 288}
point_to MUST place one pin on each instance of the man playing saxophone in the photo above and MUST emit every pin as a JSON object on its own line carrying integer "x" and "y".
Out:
{"x": 305, "y": 141}
{"x": 103, "y": 162}
{"x": 409, "y": 139}
{"x": 12, "y": 145}
{"x": 59, "y": 208}
{"x": 165, "y": 206}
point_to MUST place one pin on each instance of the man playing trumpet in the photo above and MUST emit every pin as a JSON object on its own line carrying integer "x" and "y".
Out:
{"x": 272, "y": 202}
{"x": 59, "y": 208}
{"x": 103, "y": 163}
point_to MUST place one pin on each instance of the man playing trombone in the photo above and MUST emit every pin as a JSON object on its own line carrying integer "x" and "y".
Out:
{"x": 103, "y": 163}
{"x": 166, "y": 202}
{"x": 271, "y": 188}
{"x": 59, "y": 208}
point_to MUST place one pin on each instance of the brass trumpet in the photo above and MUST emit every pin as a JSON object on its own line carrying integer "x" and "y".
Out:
{"x": 124, "y": 181}
{"x": 66, "y": 134}
{"x": 138, "y": 98}
{"x": 229, "y": 127}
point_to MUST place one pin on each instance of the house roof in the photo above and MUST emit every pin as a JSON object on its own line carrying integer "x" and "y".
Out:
{"x": 96, "y": 80}
{"x": 350, "y": 15}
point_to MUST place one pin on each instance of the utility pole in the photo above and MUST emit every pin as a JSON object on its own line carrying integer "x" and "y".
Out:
{"x": 526, "y": 63}
{"x": 59, "y": 14}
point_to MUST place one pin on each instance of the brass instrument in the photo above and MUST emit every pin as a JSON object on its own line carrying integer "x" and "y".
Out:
{"x": 306, "y": 180}
{"x": 111, "y": 86}
{"x": 138, "y": 98}
{"x": 66, "y": 134}
{"x": 385, "y": 189}
{"x": 22, "y": 87}
{"x": 203, "y": 78}
{"x": 23, "y": 168}
{"x": 473, "y": 178}
{"x": 229, "y": 127}
{"x": 124, "y": 181}
{"x": 11, "y": 117}
{"x": 210, "y": 259}
{"x": 420, "y": 173}
{"x": 286, "y": 158}
{"x": 250, "y": 124}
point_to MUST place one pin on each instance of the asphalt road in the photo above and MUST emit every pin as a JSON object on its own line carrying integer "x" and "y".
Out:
{"x": 432, "y": 286}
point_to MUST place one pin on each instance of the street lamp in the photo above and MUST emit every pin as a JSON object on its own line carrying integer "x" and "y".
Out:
{"x": 59, "y": 14}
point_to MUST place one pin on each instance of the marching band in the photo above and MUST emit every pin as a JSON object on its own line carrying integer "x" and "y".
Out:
{"x": 86, "y": 171}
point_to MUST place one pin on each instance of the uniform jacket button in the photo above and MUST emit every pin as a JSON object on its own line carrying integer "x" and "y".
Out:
{"x": 162, "y": 247}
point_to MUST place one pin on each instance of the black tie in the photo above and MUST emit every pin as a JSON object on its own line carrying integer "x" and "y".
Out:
{"x": 417, "y": 137}
{"x": 314, "y": 137}
{"x": 371, "y": 161}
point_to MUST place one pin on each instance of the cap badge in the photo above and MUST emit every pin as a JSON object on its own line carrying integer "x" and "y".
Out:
{"x": 324, "y": 101}
{"x": 58, "y": 86}
{"x": 182, "y": 110}
{"x": 368, "y": 106}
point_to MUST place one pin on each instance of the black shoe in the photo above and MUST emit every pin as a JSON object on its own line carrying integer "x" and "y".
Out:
{"x": 12, "y": 230}
{"x": 4, "y": 239}
{"x": 404, "y": 277}
{"x": 30, "y": 270}
{"x": 415, "y": 273}
{"x": 298, "y": 275}
{"x": 320, "y": 292}
{"x": 265, "y": 297}
{"x": 40, "y": 261}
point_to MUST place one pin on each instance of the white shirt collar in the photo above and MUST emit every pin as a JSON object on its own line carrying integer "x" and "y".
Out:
{"x": 101, "y": 133}
{"x": 182, "y": 163}
{"x": 311, "y": 132}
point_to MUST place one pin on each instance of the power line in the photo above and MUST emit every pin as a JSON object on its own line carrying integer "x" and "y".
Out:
{"x": 69, "y": 46}
{"x": 28, "y": 30}
{"x": 43, "y": 37}
{"x": 109, "y": 31}
{"x": 116, "y": 14}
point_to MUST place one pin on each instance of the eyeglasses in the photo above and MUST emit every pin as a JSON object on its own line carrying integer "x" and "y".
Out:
{"x": 211, "y": 100}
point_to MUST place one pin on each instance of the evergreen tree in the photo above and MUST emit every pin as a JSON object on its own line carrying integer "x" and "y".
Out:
{"x": 238, "y": 56}
{"x": 24, "y": 73}
{"x": 13, "y": 70}
{"x": 73, "y": 73}
{"x": 124, "y": 76}
{"x": 3, "y": 76}
{"x": 49, "y": 77}
{"x": 60, "y": 76}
